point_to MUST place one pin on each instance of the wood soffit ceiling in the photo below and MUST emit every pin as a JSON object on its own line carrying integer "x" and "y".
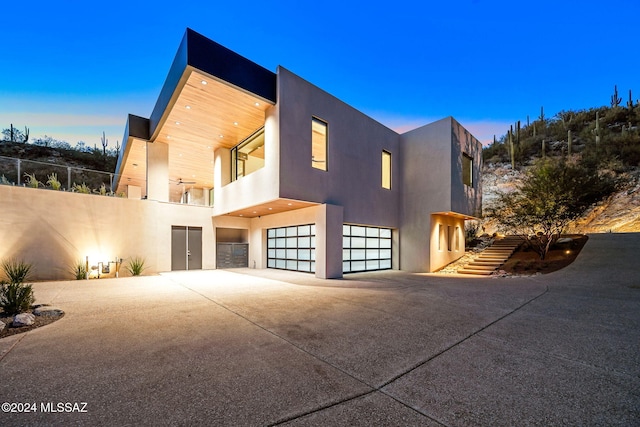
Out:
{"x": 276, "y": 206}
{"x": 200, "y": 118}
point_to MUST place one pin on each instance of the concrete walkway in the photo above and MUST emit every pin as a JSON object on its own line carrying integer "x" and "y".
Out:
{"x": 256, "y": 347}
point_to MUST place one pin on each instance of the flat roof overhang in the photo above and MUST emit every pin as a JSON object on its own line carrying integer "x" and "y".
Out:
{"x": 212, "y": 98}
{"x": 269, "y": 208}
{"x": 456, "y": 215}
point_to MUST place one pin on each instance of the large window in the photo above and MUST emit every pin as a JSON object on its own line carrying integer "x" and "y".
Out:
{"x": 386, "y": 170}
{"x": 292, "y": 248}
{"x": 319, "y": 144}
{"x": 365, "y": 248}
{"x": 248, "y": 156}
{"x": 467, "y": 169}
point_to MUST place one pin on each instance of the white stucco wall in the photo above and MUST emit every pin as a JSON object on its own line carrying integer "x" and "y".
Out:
{"x": 432, "y": 177}
{"x": 53, "y": 229}
{"x": 258, "y": 187}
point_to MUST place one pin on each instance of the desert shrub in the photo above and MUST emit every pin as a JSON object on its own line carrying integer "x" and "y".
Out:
{"x": 15, "y": 297}
{"x": 79, "y": 270}
{"x": 53, "y": 182}
{"x": 80, "y": 188}
{"x": 471, "y": 229}
{"x": 16, "y": 271}
{"x": 31, "y": 180}
{"x": 136, "y": 266}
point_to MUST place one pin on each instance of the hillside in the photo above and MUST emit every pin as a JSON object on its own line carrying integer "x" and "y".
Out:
{"x": 619, "y": 212}
{"x": 599, "y": 135}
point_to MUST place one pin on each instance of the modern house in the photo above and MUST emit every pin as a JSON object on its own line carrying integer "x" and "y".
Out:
{"x": 238, "y": 165}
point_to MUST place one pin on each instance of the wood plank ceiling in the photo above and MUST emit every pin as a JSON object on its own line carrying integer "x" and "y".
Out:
{"x": 205, "y": 114}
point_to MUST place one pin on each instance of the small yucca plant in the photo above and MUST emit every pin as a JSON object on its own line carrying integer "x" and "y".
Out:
{"x": 136, "y": 266}
{"x": 16, "y": 271}
{"x": 79, "y": 270}
{"x": 15, "y": 297}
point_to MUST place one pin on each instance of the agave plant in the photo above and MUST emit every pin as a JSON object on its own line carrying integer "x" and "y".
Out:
{"x": 136, "y": 266}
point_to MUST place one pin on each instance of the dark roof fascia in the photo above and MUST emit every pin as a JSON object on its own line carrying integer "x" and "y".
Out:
{"x": 137, "y": 127}
{"x": 205, "y": 55}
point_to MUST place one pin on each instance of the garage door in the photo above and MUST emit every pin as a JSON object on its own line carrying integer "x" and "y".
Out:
{"x": 292, "y": 248}
{"x": 365, "y": 248}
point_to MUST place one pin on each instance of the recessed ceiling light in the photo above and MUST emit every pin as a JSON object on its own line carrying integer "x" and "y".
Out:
{"x": 241, "y": 215}
{"x": 193, "y": 176}
{"x": 270, "y": 208}
{"x": 188, "y": 107}
{"x": 254, "y": 211}
{"x": 180, "y": 154}
{"x": 257, "y": 104}
{"x": 235, "y": 123}
{"x": 204, "y": 82}
{"x": 178, "y": 123}
{"x": 168, "y": 136}
{"x": 288, "y": 204}
{"x": 208, "y": 146}
{"x": 221, "y": 136}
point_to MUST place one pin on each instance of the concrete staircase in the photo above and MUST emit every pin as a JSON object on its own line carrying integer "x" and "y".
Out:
{"x": 493, "y": 257}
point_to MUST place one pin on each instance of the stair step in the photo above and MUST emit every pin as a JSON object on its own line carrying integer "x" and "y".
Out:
{"x": 476, "y": 272}
{"x": 480, "y": 267}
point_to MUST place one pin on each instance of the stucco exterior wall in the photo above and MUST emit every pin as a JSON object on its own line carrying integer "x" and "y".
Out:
{"x": 54, "y": 229}
{"x": 465, "y": 199}
{"x": 355, "y": 143}
{"x": 258, "y": 187}
{"x": 447, "y": 240}
{"x": 426, "y": 172}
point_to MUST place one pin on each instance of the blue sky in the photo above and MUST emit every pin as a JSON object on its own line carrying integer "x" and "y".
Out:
{"x": 71, "y": 71}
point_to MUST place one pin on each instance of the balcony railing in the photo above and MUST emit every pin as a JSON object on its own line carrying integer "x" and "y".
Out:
{"x": 30, "y": 173}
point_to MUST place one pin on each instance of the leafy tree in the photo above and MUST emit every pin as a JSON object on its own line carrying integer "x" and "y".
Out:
{"x": 552, "y": 194}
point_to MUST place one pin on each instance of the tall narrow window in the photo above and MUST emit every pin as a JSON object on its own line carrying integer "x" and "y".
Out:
{"x": 319, "y": 144}
{"x": 386, "y": 170}
{"x": 467, "y": 169}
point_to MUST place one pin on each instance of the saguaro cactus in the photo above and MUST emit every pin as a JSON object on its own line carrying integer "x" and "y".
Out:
{"x": 630, "y": 101}
{"x": 569, "y": 141}
{"x": 615, "y": 101}
{"x": 26, "y": 135}
{"x": 511, "y": 150}
{"x": 597, "y": 133}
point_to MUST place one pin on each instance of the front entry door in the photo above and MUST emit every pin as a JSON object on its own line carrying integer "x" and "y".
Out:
{"x": 186, "y": 248}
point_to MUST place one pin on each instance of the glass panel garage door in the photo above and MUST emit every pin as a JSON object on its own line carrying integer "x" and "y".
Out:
{"x": 365, "y": 248}
{"x": 292, "y": 248}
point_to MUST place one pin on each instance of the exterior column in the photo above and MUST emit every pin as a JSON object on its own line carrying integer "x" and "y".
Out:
{"x": 329, "y": 220}
{"x": 158, "y": 171}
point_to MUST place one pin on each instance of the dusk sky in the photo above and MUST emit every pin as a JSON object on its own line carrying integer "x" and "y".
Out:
{"x": 73, "y": 69}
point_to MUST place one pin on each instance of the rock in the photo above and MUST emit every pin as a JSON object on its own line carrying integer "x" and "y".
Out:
{"x": 23, "y": 319}
{"x": 2, "y": 325}
{"x": 564, "y": 240}
{"x": 48, "y": 310}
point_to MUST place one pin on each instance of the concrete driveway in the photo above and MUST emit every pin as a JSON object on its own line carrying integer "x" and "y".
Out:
{"x": 255, "y": 347}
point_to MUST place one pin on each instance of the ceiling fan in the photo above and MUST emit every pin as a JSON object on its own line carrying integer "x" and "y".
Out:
{"x": 180, "y": 181}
